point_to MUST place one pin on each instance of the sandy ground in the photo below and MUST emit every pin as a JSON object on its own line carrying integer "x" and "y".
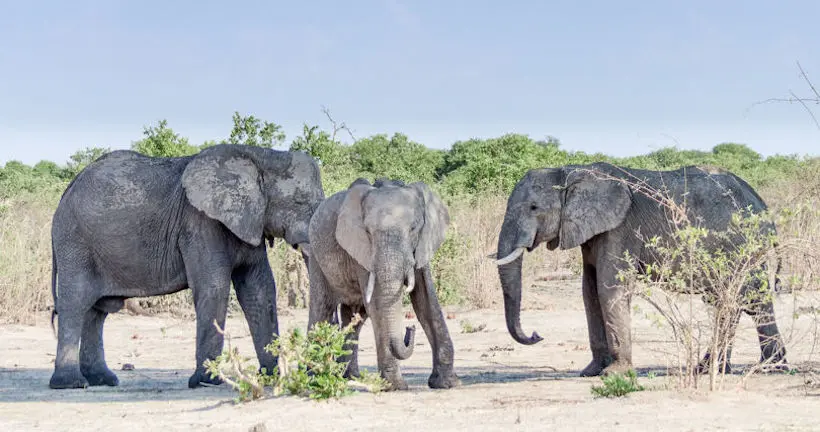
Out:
{"x": 506, "y": 386}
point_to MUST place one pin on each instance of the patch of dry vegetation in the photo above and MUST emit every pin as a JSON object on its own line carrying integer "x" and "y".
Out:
{"x": 464, "y": 275}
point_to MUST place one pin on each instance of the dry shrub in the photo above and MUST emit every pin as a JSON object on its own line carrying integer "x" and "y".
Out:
{"x": 476, "y": 223}
{"x": 25, "y": 257}
{"x": 800, "y": 198}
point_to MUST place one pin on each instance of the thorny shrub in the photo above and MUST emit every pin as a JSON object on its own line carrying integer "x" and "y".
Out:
{"x": 727, "y": 278}
{"x": 308, "y": 366}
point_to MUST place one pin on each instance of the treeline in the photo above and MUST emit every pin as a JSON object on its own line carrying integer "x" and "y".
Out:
{"x": 469, "y": 167}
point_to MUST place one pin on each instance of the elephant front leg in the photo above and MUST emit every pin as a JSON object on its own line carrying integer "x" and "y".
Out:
{"x": 595, "y": 325}
{"x": 429, "y": 314}
{"x": 92, "y": 353}
{"x": 256, "y": 292}
{"x": 211, "y": 304}
{"x": 615, "y": 302}
{"x": 772, "y": 347}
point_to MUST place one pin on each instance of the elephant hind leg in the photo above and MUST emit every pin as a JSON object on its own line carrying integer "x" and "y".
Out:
{"x": 772, "y": 348}
{"x": 723, "y": 339}
{"x": 73, "y": 304}
{"x": 92, "y": 353}
{"x": 352, "y": 339}
{"x": 322, "y": 304}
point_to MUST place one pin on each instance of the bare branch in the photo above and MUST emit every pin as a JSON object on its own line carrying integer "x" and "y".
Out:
{"x": 337, "y": 126}
{"x": 808, "y": 81}
{"x": 808, "y": 110}
{"x": 803, "y": 101}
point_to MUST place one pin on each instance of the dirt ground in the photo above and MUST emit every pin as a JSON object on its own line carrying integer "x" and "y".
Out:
{"x": 506, "y": 386}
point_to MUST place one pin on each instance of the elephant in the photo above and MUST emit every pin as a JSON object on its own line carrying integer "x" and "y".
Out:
{"x": 367, "y": 242}
{"x": 130, "y": 225}
{"x": 600, "y": 207}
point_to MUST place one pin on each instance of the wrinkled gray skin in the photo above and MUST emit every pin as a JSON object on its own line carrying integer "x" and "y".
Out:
{"x": 389, "y": 231}
{"x": 575, "y": 206}
{"x": 134, "y": 226}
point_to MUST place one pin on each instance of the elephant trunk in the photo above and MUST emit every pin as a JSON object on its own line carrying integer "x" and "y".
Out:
{"x": 509, "y": 272}
{"x": 401, "y": 345}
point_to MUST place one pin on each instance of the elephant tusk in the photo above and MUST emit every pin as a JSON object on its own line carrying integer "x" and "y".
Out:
{"x": 411, "y": 282}
{"x": 511, "y": 257}
{"x": 368, "y": 292}
{"x": 339, "y": 315}
{"x": 304, "y": 248}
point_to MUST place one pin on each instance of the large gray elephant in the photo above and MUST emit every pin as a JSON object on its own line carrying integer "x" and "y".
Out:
{"x": 133, "y": 226}
{"x": 367, "y": 242}
{"x": 600, "y": 208}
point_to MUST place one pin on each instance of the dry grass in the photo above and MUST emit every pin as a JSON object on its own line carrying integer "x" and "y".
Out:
{"x": 801, "y": 195}
{"x": 478, "y": 222}
{"x": 463, "y": 271}
{"x": 25, "y": 257}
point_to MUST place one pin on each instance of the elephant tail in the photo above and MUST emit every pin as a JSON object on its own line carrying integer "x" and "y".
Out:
{"x": 53, "y": 287}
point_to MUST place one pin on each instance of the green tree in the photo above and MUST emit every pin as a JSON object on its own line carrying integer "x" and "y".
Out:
{"x": 46, "y": 168}
{"x": 321, "y": 147}
{"x": 252, "y": 131}
{"x": 396, "y": 157}
{"x": 81, "y": 158}
{"x": 162, "y": 141}
{"x": 496, "y": 164}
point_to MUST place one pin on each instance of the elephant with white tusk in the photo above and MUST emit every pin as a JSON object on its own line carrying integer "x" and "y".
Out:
{"x": 600, "y": 207}
{"x": 370, "y": 244}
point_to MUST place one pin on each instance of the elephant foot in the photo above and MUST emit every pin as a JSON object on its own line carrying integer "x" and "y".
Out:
{"x": 101, "y": 375}
{"x": 400, "y": 384}
{"x": 617, "y": 367}
{"x": 67, "y": 379}
{"x": 596, "y": 367}
{"x": 706, "y": 364}
{"x": 395, "y": 380}
{"x": 203, "y": 377}
{"x": 443, "y": 380}
{"x": 781, "y": 366}
{"x": 352, "y": 372}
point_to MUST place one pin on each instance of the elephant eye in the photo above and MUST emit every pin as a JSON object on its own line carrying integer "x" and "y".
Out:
{"x": 533, "y": 207}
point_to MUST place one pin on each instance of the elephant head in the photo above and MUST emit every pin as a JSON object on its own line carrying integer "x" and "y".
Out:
{"x": 256, "y": 193}
{"x": 564, "y": 207}
{"x": 391, "y": 229}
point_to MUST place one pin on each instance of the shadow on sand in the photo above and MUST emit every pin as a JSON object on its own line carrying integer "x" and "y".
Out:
{"x": 31, "y": 385}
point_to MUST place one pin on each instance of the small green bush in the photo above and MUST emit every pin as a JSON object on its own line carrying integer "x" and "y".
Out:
{"x": 308, "y": 366}
{"x": 617, "y": 385}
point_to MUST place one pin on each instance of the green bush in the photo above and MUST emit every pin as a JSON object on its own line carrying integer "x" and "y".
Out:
{"x": 469, "y": 170}
{"x": 617, "y": 385}
{"x": 308, "y": 366}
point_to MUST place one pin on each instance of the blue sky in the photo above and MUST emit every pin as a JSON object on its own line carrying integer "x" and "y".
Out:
{"x": 620, "y": 77}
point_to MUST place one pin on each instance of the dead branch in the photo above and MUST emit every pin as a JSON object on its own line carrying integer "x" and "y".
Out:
{"x": 803, "y": 101}
{"x": 337, "y": 126}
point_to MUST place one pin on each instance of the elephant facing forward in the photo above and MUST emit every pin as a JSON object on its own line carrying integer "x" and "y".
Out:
{"x": 367, "y": 243}
{"x": 134, "y": 226}
{"x": 598, "y": 208}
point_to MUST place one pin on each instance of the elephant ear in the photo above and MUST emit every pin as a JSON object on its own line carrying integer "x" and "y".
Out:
{"x": 350, "y": 230}
{"x": 591, "y": 206}
{"x": 436, "y": 220}
{"x": 223, "y": 183}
